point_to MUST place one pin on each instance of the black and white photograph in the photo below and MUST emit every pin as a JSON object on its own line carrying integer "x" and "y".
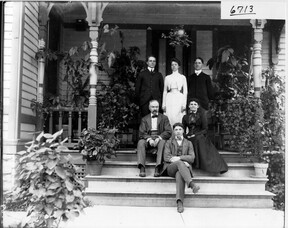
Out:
{"x": 143, "y": 114}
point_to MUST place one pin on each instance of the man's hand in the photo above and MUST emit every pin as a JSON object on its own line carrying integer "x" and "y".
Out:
{"x": 174, "y": 159}
{"x": 156, "y": 141}
{"x": 186, "y": 163}
{"x": 152, "y": 142}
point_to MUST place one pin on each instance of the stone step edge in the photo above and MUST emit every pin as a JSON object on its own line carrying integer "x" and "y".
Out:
{"x": 163, "y": 194}
{"x": 134, "y": 151}
{"x": 134, "y": 163}
{"x": 170, "y": 179}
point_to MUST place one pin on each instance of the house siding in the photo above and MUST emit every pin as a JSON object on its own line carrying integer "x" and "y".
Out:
{"x": 281, "y": 56}
{"x": 29, "y": 66}
{"x": 20, "y": 81}
{"x": 7, "y": 64}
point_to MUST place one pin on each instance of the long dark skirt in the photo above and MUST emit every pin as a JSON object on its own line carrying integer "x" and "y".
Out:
{"x": 206, "y": 155}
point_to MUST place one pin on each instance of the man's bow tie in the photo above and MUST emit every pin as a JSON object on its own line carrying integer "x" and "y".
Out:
{"x": 154, "y": 116}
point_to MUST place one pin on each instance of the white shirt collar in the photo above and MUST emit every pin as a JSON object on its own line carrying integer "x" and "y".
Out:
{"x": 149, "y": 68}
{"x": 154, "y": 114}
{"x": 197, "y": 72}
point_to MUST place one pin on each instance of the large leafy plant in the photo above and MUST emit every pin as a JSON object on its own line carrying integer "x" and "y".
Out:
{"x": 231, "y": 75}
{"x": 98, "y": 144}
{"x": 117, "y": 100}
{"x": 243, "y": 121}
{"x": 48, "y": 182}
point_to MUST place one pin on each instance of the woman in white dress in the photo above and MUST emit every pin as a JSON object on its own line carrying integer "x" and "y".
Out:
{"x": 175, "y": 94}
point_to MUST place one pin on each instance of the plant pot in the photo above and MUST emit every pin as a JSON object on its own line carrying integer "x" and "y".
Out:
{"x": 260, "y": 169}
{"x": 94, "y": 168}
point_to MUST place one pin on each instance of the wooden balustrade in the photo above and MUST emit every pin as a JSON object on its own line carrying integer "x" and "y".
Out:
{"x": 70, "y": 120}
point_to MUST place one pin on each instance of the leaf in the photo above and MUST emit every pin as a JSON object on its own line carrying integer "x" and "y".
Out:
{"x": 60, "y": 172}
{"x": 77, "y": 193}
{"x": 47, "y": 136}
{"x": 58, "y": 213}
{"x": 31, "y": 166}
{"x": 50, "y": 199}
{"x": 39, "y": 136}
{"x": 69, "y": 185}
{"x": 58, "y": 203}
{"x": 54, "y": 185}
{"x": 51, "y": 179}
{"x": 72, "y": 214}
{"x": 48, "y": 209}
{"x": 51, "y": 164}
{"x": 70, "y": 198}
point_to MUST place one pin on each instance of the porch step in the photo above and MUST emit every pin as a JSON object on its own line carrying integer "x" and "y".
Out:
{"x": 167, "y": 184}
{"x": 131, "y": 155}
{"x": 120, "y": 168}
{"x": 167, "y": 199}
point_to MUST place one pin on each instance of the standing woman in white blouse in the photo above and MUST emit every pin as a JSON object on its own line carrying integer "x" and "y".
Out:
{"x": 175, "y": 94}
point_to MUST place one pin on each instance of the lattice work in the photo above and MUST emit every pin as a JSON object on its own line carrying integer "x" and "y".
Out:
{"x": 81, "y": 171}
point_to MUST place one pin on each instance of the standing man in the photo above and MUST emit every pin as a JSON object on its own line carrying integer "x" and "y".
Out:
{"x": 154, "y": 130}
{"x": 178, "y": 157}
{"x": 149, "y": 86}
{"x": 199, "y": 85}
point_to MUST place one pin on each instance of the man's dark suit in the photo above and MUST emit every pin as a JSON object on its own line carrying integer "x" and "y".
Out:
{"x": 178, "y": 169}
{"x": 200, "y": 87}
{"x": 149, "y": 86}
{"x": 164, "y": 131}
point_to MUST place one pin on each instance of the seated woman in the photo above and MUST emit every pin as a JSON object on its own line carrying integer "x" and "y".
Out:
{"x": 206, "y": 155}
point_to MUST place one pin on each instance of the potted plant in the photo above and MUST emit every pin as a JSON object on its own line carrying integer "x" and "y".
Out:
{"x": 95, "y": 146}
{"x": 243, "y": 121}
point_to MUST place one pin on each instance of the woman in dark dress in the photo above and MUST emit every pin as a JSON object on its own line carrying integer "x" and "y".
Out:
{"x": 206, "y": 155}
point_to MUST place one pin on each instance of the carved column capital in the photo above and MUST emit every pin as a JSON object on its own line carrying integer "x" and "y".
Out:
{"x": 95, "y": 12}
{"x": 257, "y": 26}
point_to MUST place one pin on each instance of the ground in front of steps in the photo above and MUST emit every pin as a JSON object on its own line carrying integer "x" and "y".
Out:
{"x": 133, "y": 217}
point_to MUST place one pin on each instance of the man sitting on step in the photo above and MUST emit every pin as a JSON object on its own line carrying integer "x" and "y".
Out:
{"x": 154, "y": 130}
{"x": 178, "y": 158}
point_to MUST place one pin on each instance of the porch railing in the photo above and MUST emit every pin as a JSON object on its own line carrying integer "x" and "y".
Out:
{"x": 71, "y": 120}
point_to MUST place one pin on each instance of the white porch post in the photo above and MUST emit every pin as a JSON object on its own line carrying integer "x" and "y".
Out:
{"x": 94, "y": 18}
{"x": 41, "y": 70}
{"x": 43, "y": 19}
{"x": 258, "y": 26}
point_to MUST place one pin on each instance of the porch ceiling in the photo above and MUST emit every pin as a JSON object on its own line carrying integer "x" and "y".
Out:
{"x": 186, "y": 13}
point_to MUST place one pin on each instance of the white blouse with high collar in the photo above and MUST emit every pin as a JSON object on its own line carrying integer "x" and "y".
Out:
{"x": 176, "y": 81}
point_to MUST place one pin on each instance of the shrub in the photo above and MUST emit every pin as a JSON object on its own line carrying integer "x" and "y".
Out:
{"x": 47, "y": 182}
{"x": 276, "y": 175}
{"x": 242, "y": 120}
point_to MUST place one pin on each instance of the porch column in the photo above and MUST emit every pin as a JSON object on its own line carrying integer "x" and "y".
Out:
{"x": 258, "y": 26}
{"x": 43, "y": 20}
{"x": 41, "y": 70}
{"x": 94, "y": 18}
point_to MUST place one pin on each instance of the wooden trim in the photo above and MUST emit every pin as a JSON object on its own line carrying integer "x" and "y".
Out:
{"x": 27, "y": 119}
{"x": 170, "y": 26}
{"x": 20, "y": 70}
